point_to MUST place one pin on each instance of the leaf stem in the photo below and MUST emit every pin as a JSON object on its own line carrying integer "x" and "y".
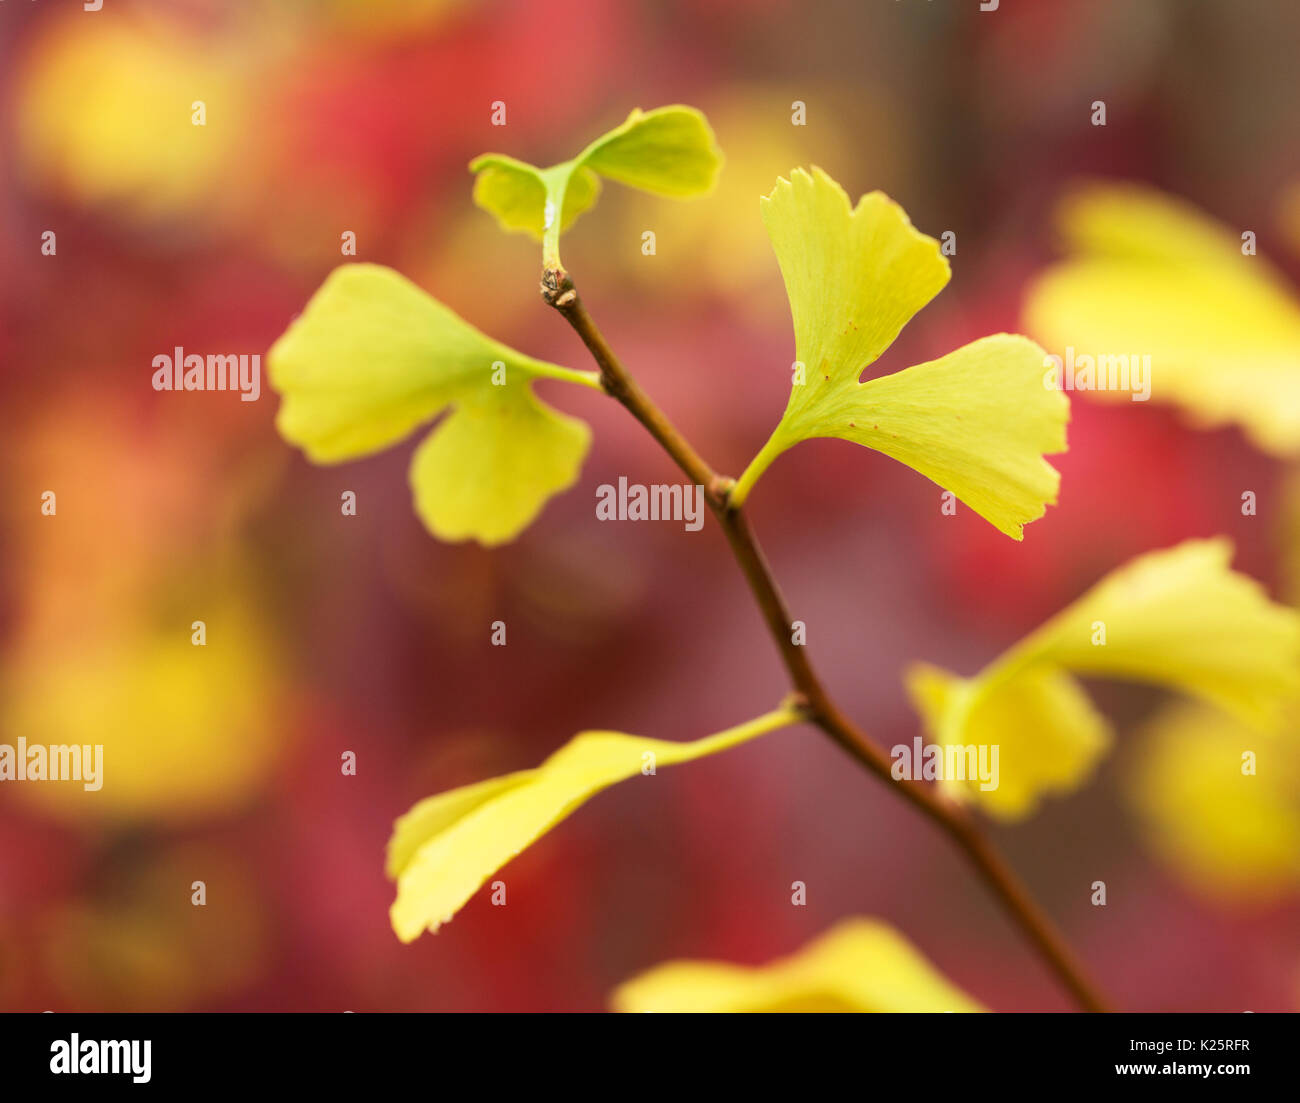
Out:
{"x": 569, "y": 375}
{"x": 810, "y": 695}
{"x": 752, "y": 473}
{"x": 788, "y": 712}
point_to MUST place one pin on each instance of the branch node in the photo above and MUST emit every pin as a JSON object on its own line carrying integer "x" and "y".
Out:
{"x": 798, "y": 701}
{"x": 719, "y": 490}
{"x": 557, "y": 288}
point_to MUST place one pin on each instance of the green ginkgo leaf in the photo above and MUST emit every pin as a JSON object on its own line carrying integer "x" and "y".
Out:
{"x": 444, "y": 849}
{"x": 372, "y": 357}
{"x": 977, "y": 422}
{"x": 516, "y": 193}
{"x": 669, "y": 151}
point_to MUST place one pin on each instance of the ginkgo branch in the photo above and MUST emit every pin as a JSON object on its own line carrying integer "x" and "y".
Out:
{"x": 559, "y": 292}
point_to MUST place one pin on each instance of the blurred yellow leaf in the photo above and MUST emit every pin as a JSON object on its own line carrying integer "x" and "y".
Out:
{"x": 1048, "y": 733}
{"x": 1181, "y": 618}
{"x": 858, "y": 965}
{"x": 146, "y": 540}
{"x": 104, "y": 115}
{"x": 1229, "y": 826}
{"x": 1178, "y": 618}
{"x": 186, "y": 731}
{"x": 1148, "y": 275}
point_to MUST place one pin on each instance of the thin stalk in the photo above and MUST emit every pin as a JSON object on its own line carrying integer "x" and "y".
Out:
{"x": 789, "y": 712}
{"x": 810, "y": 695}
{"x": 751, "y": 474}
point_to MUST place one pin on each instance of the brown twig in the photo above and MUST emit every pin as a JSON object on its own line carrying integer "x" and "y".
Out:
{"x": 817, "y": 706}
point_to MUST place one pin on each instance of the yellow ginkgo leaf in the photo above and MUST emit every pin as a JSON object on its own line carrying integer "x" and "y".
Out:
{"x": 858, "y": 965}
{"x": 1220, "y": 802}
{"x": 1047, "y": 733}
{"x": 448, "y": 845}
{"x": 1162, "y": 303}
{"x": 1179, "y": 618}
{"x": 486, "y": 470}
{"x": 977, "y": 421}
{"x": 669, "y": 151}
{"x": 372, "y": 357}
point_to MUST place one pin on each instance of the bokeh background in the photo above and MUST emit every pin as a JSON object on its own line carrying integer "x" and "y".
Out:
{"x": 329, "y": 634}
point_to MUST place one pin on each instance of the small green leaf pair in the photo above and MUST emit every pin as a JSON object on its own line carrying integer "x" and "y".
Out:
{"x": 373, "y": 357}
{"x": 669, "y": 151}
